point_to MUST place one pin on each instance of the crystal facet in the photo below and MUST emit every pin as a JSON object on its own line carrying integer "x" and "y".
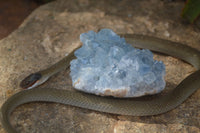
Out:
{"x": 106, "y": 65}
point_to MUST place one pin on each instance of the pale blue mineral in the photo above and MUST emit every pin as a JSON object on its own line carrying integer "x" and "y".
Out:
{"x": 107, "y": 65}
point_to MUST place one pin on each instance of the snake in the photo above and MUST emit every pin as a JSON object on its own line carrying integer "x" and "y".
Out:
{"x": 120, "y": 106}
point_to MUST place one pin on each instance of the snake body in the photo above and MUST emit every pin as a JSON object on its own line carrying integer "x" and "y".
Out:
{"x": 134, "y": 107}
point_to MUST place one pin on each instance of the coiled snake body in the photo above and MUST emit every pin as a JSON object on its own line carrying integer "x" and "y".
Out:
{"x": 107, "y": 104}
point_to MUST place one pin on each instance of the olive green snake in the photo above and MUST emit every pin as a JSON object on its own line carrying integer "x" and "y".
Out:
{"x": 123, "y": 106}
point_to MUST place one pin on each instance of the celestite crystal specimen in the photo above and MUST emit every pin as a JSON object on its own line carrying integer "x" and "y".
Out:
{"x": 107, "y": 65}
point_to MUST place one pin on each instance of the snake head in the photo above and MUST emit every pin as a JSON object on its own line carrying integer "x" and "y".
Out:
{"x": 30, "y": 81}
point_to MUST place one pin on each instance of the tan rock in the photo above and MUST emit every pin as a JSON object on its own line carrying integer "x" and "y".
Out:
{"x": 53, "y": 30}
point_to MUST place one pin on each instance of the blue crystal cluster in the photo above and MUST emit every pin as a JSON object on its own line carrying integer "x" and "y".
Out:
{"x": 107, "y": 65}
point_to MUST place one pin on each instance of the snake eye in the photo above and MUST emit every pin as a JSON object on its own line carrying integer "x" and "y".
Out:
{"x": 30, "y": 80}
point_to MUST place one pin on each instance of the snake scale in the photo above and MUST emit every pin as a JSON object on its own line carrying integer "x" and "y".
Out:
{"x": 134, "y": 107}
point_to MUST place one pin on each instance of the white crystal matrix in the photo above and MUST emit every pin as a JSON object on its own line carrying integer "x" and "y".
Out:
{"x": 107, "y": 65}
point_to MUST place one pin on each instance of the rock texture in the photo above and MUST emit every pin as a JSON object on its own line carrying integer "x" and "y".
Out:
{"x": 52, "y": 31}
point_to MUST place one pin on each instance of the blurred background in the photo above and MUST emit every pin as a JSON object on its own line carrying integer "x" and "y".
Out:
{"x": 13, "y": 12}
